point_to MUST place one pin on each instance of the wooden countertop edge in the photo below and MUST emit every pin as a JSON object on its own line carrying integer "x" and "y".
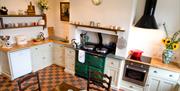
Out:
{"x": 157, "y": 63}
{"x": 30, "y": 44}
{"x": 154, "y": 62}
{"x": 173, "y": 66}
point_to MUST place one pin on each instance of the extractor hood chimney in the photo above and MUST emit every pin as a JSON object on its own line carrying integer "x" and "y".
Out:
{"x": 148, "y": 20}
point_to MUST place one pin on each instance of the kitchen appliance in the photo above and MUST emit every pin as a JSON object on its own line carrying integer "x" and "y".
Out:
{"x": 136, "y": 72}
{"x": 5, "y": 42}
{"x": 92, "y": 62}
{"x": 148, "y": 20}
{"x": 136, "y": 54}
{"x": 100, "y": 47}
{"x": 102, "y": 50}
{"x": 20, "y": 63}
{"x": 90, "y": 47}
{"x": 21, "y": 40}
{"x": 84, "y": 38}
{"x": 73, "y": 43}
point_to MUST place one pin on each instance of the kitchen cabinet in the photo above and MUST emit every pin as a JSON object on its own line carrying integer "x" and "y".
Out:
{"x": 58, "y": 54}
{"x": 70, "y": 58}
{"x": 0, "y": 63}
{"x": 41, "y": 56}
{"x": 161, "y": 80}
{"x": 16, "y": 64}
{"x": 113, "y": 68}
{"x": 5, "y": 68}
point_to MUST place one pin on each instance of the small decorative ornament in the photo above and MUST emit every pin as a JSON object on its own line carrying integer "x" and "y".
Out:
{"x": 171, "y": 43}
{"x": 96, "y": 2}
{"x": 31, "y": 9}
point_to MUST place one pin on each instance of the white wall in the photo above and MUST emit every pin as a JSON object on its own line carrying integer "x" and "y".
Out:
{"x": 149, "y": 40}
{"x": 61, "y": 27}
{"x": 110, "y": 12}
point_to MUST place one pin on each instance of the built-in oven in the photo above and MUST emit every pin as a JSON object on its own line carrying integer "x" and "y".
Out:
{"x": 135, "y": 72}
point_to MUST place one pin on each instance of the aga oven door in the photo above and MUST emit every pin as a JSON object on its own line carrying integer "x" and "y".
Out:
{"x": 135, "y": 75}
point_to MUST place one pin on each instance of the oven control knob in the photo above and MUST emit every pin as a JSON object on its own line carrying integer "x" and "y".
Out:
{"x": 131, "y": 86}
{"x": 142, "y": 66}
{"x": 131, "y": 63}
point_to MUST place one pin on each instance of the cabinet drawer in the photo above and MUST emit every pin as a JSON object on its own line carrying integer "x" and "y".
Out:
{"x": 95, "y": 61}
{"x": 113, "y": 63}
{"x": 164, "y": 74}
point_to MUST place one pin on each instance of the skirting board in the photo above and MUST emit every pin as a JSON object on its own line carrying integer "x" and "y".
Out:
{"x": 69, "y": 71}
{"x": 5, "y": 74}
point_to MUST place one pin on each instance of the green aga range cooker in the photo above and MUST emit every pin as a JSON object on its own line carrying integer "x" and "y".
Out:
{"x": 92, "y": 62}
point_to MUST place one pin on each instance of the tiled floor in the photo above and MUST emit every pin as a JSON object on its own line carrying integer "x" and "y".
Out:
{"x": 49, "y": 78}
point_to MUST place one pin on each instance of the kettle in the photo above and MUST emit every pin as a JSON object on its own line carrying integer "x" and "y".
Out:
{"x": 136, "y": 54}
{"x": 73, "y": 43}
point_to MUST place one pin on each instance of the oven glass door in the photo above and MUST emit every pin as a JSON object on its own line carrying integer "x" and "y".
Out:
{"x": 135, "y": 75}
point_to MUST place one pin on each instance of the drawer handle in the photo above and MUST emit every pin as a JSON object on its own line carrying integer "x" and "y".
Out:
{"x": 170, "y": 75}
{"x": 112, "y": 63}
{"x": 155, "y": 71}
{"x": 147, "y": 84}
{"x": 44, "y": 58}
{"x": 36, "y": 48}
{"x": 131, "y": 86}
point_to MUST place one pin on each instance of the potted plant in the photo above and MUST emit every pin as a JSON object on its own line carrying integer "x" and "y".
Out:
{"x": 43, "y": 5}
{"x": 171, "y": 44}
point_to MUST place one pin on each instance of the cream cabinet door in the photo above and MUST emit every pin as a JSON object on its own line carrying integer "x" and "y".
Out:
{"x": 37, "y": 58}
{"x": 166, "y": 85}
{"x": 157, "y": 84}
{"x": 152, "y": 84}
{"x": 58, "y": 55}
{"x": 70, "y": 58}
{"x": 5, "y": 68}
{"x": 114, "y": 73}
{"x": 47, "y": 54}
{"x": 41, "y": 56}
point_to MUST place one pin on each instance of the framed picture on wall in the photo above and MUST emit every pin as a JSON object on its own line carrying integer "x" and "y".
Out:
{"x": 1, "y": 23}
{"x": 64, "y": 11}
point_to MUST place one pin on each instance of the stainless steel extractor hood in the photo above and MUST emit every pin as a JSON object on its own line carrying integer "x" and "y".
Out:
{"x": 148, "y": 19}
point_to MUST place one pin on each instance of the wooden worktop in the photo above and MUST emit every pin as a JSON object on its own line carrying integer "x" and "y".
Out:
{"x": 173, "y": 66}
{"x": 16, "y": 47}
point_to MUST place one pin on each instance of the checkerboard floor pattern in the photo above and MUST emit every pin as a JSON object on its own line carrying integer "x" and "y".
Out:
{"x": 49, "y": 78}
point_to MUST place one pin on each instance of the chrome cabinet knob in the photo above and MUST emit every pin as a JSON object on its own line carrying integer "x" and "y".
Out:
{"x": 131, "y": 86}
{"x": 170, "y": 75}
{"x": 155, "y": 71}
